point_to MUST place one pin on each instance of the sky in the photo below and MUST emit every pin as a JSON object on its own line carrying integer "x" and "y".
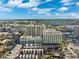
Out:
{"x": 39, "y": 9}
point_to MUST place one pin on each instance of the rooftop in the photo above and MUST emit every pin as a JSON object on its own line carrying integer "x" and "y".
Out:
{"x": 29, "y": 25}
{"x": 52, "y": 31}
{"x": 26, "y": 36}
{"x": 30, "y": 37}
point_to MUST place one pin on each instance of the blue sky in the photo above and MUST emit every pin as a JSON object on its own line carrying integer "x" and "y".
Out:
{"x": 39, "y": 9}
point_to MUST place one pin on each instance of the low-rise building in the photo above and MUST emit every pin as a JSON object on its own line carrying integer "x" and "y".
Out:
{"x": 30, "y": 41}
{"x": 30, "y": 54}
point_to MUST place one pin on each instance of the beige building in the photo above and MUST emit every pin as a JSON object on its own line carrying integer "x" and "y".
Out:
{"x": 32, "y": 30}
{"x": 35, "y": 30}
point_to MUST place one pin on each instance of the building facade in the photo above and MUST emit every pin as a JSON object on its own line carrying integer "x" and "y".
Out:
{"x": 31, "y": 42}
{"x": 76, "y": 31}
{"x": 35, "y": 30}
{"x": 31, "y": 29}
{"x": 30, "y": 54}
{"x": 52, "y": 37}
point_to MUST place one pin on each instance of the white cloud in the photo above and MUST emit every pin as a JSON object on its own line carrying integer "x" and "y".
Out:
{"x": 77, "y": 3}
{"x": 45, "y": 11}
{"x": 63, "y": 9}
{"x": 35, "y": 9}
{"x": 65, "y": 1}
{"x": 39, "y": 1}
{"x": 19, "y": 4}
{"x": 45, "y": 1}
{"x": 72, "y": 15}
{"x": 27, "y": 5}
{"x": 57, "y": 14}
{"x": 48, "y": 14}
{"x": 13, "y": 3}
{"x": 0, "y": 2}
{"x": 5, "y": 9}
{"x": 41, "y": 11}
{"x": 34, "y": 1}
{"x": 68, "y": 15}
{"x": 48, "y": 0}
{"x": 68, "y": 3}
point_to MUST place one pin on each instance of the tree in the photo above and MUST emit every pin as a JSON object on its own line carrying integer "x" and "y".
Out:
{"x": 62, "y": 52}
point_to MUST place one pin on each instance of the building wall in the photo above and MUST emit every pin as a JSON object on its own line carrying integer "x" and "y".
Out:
{"x": 35, "y": 30}
{"x": 32, "y": 30}
{"x": 30, "y": 54}
{"x": 31, "y": 41}
{"x": 52, "y": 37}
{"x": 76, "y": 31}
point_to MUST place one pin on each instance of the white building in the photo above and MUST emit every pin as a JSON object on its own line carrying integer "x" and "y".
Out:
{"x": 71, "y": 27}
{"x": 30, "y": 54}
{"x": 51, "y": 37}
{"x": 31, "y": 42}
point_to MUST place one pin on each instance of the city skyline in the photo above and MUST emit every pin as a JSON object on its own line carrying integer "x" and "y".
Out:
{"x": 39, "y": 40}
{"x": 39, "y": 9}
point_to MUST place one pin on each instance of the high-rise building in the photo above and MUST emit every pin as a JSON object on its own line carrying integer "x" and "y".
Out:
{"x": 52, "y": 37}
{"x": 35, "y": 30}
{"x": 31, "y": 29}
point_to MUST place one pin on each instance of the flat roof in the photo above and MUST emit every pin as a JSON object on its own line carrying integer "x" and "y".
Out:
{"x": 30, "y": 37}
